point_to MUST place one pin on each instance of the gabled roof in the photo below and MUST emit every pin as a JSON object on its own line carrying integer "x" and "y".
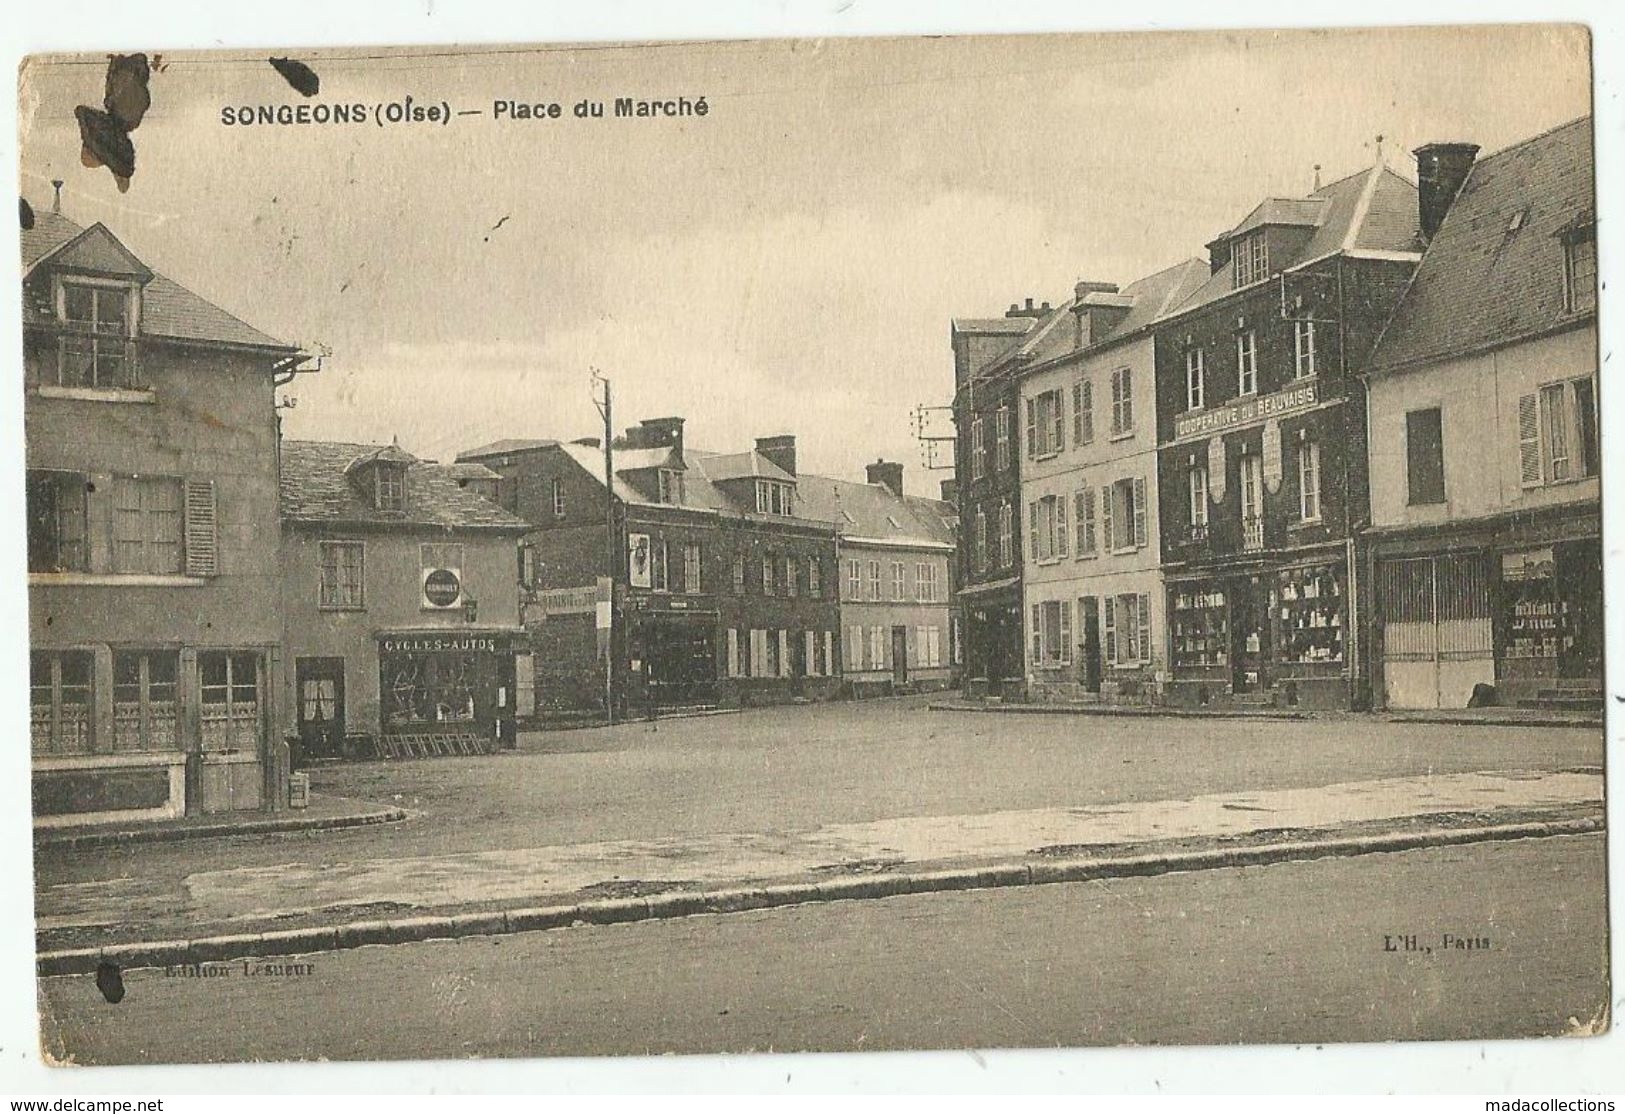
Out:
{"x": 316, "y": 488}
{"x": 505, "y": 446}
{"x": 722, "y": 467}
{"x": 1487, "y": 280}
{"x": 168, "y": 309}
{"x": 1302, "y": 211}
{"x": 865, "y": 512}
{"x": 1374, "y": 210}
{"x": 1147, "y": 298}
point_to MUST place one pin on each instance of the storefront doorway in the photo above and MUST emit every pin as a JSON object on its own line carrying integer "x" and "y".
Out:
{"x": 1579, "y": 579}
{"x": 1249, "y": 637}
{"x": 320, "y": 684}
{"x": 680, "y": 655}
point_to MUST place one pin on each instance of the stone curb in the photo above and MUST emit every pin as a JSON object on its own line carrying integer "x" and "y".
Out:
{"x": 664, "y": 906}
{"x": 76, "y": 840}
{"x": 1589, "y": 723}
{"x": 1144, "y": 711}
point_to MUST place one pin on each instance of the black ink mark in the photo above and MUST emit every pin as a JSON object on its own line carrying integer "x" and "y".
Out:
{"x": 25, "y": 214}
{"x": 299, "y": 75}
{"x": 496, "y": 226}
{"x": 110, "y": 981}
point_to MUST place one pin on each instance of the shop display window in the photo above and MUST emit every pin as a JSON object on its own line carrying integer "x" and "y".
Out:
{"x": 1308, "y": 607}
{"x": 1201, "y": 628}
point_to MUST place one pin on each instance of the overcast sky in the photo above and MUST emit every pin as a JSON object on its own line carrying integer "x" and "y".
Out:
{"x": 789, "y": 262}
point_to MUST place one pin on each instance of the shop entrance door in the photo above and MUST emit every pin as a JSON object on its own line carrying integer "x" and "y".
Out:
{"x": 321, "y": 707}
{"x": 1091, "y": 643}
{"x": 899, "y": 655}
{"x": 1579, "y": 581}
{"x": 1249, "y": 637}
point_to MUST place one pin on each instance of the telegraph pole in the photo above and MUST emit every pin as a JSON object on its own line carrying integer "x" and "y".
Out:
{"x": 611, "y": 549}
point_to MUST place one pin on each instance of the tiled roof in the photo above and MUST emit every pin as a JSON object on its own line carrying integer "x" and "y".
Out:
{"x": 168, "y": 309}
{"x": 1484, "y": 282}
{"x": 1372, "y": 210}
{"x": 870, "y": 512}
{"x": 508, "y": 445}
{"x": 315, "y": 487}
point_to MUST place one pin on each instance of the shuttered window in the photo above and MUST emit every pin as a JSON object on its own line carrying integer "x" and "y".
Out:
{"x": 1084, "y": 505}
{"x": 1083, "y": 412}
{"x": 148, "y": 527}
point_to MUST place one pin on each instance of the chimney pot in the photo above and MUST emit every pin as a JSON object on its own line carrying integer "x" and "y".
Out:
{"x": 1441, "y": 168}
{"x": 56, "y": 201}
{"x": 1029, "y": 303}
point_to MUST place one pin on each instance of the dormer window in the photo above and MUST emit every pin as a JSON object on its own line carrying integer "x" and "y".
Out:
{"x": 389, "y": 488}
{"x": 670, "y": 486}
{"x": 773, "y": 497}
{"x": 94, "y": 349}
{"x": 1580, "y": 270}
{"x": 1252, "y": 259}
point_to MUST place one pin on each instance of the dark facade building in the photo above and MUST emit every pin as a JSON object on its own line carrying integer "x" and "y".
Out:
{"x": 987, "y": 478}
{"x": 152, "y": 522}
{"x": 399, "y": 604}
{"x": 1262, "y": 466}
{"x": 716, "y": 589}
{"x": 1486, "y": 539}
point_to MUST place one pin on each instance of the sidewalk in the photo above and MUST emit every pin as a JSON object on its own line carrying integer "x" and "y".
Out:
{"x": 323, "y": 813}
{"x": 1465, "y": 717}
{"x": 313, "y": 904}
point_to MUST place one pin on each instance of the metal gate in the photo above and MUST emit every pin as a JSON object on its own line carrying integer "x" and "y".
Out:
{"x": 1437, "y": 629}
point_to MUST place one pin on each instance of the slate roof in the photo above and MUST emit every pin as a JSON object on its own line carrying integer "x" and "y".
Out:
{"x": 168, "y": 309}
{"x": 1482, "y": 284}
{"x": 316, "y": 487}
{"x": 1148, "y": 299}
{"x": 865, "y": 512}
{"x": 507, "y": 445}
{"x": 1371, "y": 210}
{"x": 469, "y": 470}
{"x": 1012, "y": 325}
{"x": 722, "y": 467}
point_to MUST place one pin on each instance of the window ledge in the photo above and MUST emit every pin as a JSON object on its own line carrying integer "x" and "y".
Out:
{"x": 1125, "y": 551}
{"x": 1050, "y": 455}
{"x": 341, "y": 608}
{"x": 96, "y": 394}
{"x": 1305, "y": 523}
{"x": 95, "y": 760}
{"x": 1126, "y": 435}
{"x": 114, "y": 580}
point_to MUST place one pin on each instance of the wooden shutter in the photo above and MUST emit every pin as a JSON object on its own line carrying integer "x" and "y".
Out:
{"x": 1083, "y": 421}
{"x": 1109, "y": 623}
{"x": 1032, "y": 527}
{"x": 1529, "y": 469}
{"x": 1107, "y": 542}
{"x": 1139, "y": 511}
{"x": 202, "y": 549}
{"x": 1144, "y": 612}
{"x": 1038, "y": 634}
{"x": 1058, "y": 442}
{"x": 784, "y": 653}
{"x": 1066, "y": 631}
{"x": 1032, "y": 428}
{"x": 1061, "y": 528}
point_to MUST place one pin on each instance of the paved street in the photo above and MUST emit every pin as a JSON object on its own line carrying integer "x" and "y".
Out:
{"x": 781, "y": 793}
{"x": 1292, "y": 952}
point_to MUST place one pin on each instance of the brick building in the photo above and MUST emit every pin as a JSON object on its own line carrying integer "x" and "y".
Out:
{"x": 719, "y": 590}
{"x": 1485, "y": 500}
{"x": 1093, "y": 584}
{"x": 1262, "y": 448}
{"x": 399, "y": 602}
{"x": 152, "y": 521}
{"x": 987, "y": 479}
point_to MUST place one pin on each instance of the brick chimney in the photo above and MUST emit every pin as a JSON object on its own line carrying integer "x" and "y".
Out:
{"x": 656, "y": 433}
{"x": 1029, "y": 310}
{"x": 781, "y": 450}
{"x": 950, "y": 491}
{"x": 888, "y": 474}
{"x": 1441, "y": 168}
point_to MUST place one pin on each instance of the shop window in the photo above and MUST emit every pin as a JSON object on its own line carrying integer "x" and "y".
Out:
{"x": 1201, "y": 632}
{"x": 230, "y": 700}
{"x": 1083, "y": 412}
{"x": 57, "y": 522}
{"x": 1580, "y": 270}
{"x": 342, "y": 579}
{"x": 421, "y": 689}
{"x": 144, "y": 700}
{"x": 1309, "y": 482}
{"x": 1052, "y": 633}
{"x": 147, "y": 525}
{"x": 1303, "y": 349}
{"x": 1424, "y": 456}
{"x": 691, "y": 569}
{"x": 60, "y": 704}
{"x": 1309, "y": 614}
{"x": 1122, "y": 402}
{"x": 1557, "y": 433}
{"x": 96, "y": 348}
{"x": 1195, "y": 379}
{"x": 1247, "y": 362}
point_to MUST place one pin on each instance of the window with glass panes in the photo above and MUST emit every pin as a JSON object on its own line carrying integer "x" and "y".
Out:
{"x": 95, "y": 349}
{"x": 343, "y": 575}
{"x": 1309, "y": 481}
{"x": 691, "y": 568}
{"x": 897, "y": 580}
{"x": 874, "y": 581}
{"x": 1195, "y": 379}
{"x": 229, "y": 700}
{"x": 1247, "y": 362}
{"x": 1303, "y": 349}
{"x": 1007, "y": 535}
{"x": 1580, "y": 270}
{"x": 1122, "y": 401}
{"x": 144, "y": 700}
{"x": 815, "y": 577}
{"x": 57, "y": 522}
{"x": 1252, "y": 261}
{"x": 60, "y": 703}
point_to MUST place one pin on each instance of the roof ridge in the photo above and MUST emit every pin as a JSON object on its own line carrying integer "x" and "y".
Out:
{"x": 1510, "y": 147}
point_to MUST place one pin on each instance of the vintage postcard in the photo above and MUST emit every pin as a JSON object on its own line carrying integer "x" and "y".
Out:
{"x": 814, "y": 545}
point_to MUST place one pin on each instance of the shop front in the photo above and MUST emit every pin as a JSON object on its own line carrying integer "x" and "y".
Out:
{"x": 994, "y": 660}
{"x": 1275, "y": 634}
{"x": 448, "y": 691}
{"x": 672, "y": 648}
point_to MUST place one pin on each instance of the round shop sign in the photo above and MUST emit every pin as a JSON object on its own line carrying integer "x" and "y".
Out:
{"x": 441, "y": 588}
